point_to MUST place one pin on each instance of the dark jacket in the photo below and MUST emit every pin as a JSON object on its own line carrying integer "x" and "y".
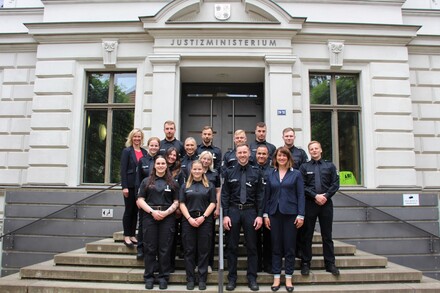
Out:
{"x": 129, "y": 167}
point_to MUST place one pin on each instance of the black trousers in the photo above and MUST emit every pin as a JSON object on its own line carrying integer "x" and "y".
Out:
{"x": 197, "y": 245}
{"x": 158, "y": 240}
{"x": 129, "y": 219}
{"x": 140, "y": 235}
{"x": 212, "y": 249}
{"x": 283, "y": 233}
{"x": 239, "y": 219}
{"x": 264, "y": 249}
{"x": 325, "y": 216}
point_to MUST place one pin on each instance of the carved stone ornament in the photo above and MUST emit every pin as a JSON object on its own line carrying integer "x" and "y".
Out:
{"x": 109, "y": 53}
{"x": 336, "y": 50}
{"x": 222, "y": 11}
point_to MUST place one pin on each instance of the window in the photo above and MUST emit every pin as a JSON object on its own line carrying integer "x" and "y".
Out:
{"x": 335, "y": 121}
{"x": 109, "y": 117}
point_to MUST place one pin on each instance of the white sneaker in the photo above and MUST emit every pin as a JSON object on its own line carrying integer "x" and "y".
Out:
{"x": 209, "y": 270}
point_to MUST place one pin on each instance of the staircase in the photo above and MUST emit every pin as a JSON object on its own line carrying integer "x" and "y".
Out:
{"x": 109, "y": 266}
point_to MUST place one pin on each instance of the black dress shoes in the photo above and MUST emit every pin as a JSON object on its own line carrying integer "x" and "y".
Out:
{"x": 289, "y": 288}
{"x": 332, "y": 269}
{"x": 202, "y": 286}
{"x": 231, "y": 286}
{"x": 129, "y": 244}
{"x": 149, "y": 285}
{"x": 275, "y": 288}
{"x": 253, "y": 285}
{"x": 190, "y": 285}
{"x": 163, "y": 284}
{"x": 140, "y": 255}
{"x": 305, "y": 269}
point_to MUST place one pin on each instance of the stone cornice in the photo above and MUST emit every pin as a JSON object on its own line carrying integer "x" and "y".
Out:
{"x": 425, "y": 44}
{"x": 354, "y": 33}
{"x": 357, "y": 2}
{"x": 17, "y": 42}
{"x": 86, "y": 31}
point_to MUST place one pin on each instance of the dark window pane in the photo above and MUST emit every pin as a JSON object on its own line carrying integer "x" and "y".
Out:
{"x": 349, "y": 145}
{"x": 346, "y": 88}
{"x": 122, "y": 125}
{"x": 98, "y": 87}
{"x": 320, "y": 89}
{"x": 94, "y": 150}
{"x": 322, "y": 131}
{"x": 125, "y": 88}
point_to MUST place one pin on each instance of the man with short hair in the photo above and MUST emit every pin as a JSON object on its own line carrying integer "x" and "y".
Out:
{"x": 242, "y": 197}
{"x": 169, "y": 128}
{"x": 321, "y": 182}
{"x": 260, "y": 139}
{"x": 299, "y": 155}
{"x": 230, "y": 158}
{"x": 207, "y": 145}
{"x": 264, "y": 163}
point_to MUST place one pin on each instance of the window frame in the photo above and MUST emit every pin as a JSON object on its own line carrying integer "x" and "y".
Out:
{"x": 334, "y": 109}
{"x": 109, "y": 107}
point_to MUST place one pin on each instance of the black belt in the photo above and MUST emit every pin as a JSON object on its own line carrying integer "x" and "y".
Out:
{"x": 159, "y": 208}
{"x": 196, "y": 214}
{"x": 244, "y": 206}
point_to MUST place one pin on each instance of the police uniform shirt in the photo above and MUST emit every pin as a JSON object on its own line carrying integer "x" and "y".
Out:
{"x": 255, "y": 144}
{"x": 144, "y": 168}
{"x": 213, "y": 177}
{"x": 230, "y": 194}
{"x": 186, "y": 163}
{"x": 299, "y": 157}
{"x": 230, "y": 160}
{"x": 266, "y": 169}
{"x": 329, "y": 178}
{"x": 159, "y": 194}
{"x": 216, "y": 154}
{"x": 197, "y": 197}
{"x": 166, "y": 144}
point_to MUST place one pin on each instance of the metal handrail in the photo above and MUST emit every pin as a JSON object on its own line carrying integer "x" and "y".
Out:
{"x": 60, "y": 210}
{"x": 388, "y": 214}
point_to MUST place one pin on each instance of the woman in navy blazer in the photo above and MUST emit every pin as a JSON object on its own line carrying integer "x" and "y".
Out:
{"x": 283, "y": 213}
{"x": 129, "y": 160}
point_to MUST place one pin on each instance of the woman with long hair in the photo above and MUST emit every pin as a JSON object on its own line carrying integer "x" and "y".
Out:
{"x": 283, "y": 214}
{"x": 158, "y": 197}
{"x": 144, "y": 168}
{"x": 130, "y": 157}
{"x": 197, "y": 203}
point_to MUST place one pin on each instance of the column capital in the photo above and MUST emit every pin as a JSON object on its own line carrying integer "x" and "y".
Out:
{"x": 280, "y": 59}
{"x": 164, "y": 59}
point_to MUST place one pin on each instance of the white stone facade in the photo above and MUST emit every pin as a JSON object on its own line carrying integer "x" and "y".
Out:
{"x": 393, "y": 45}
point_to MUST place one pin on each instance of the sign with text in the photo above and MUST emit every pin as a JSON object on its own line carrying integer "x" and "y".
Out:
{"x": 411, "y": 200}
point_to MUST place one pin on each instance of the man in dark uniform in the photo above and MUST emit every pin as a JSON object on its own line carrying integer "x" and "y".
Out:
{"x": 299, "y": 155}
{"x": 264, "y": 246}
{"x": 242, "y": 202}
{"x": 169, "y": 128}
{"x": 321, "y": 181}
{"x": 230, "y": 157}
{"x": 260, "y": 139}
{"x": 207, "y": 145}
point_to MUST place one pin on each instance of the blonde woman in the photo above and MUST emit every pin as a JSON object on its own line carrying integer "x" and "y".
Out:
{"x": 197, "y": 202}
{"x": 129, "y": 161}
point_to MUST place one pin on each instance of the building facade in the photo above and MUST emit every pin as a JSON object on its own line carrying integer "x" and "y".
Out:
{"x": 361, "y": 76}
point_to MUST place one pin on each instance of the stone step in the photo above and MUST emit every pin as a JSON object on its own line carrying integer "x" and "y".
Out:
{"x": 81, "y": 257}
{"x": 48, "y": 270}
{"x": 13, "y": 283}
{"x": 110, "y": 246}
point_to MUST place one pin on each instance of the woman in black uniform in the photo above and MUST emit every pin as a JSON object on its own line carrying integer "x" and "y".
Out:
{"x": 158, "y": 198}
{"x": 214, "y": 177}
{"x": 144, "y": 168}
{"x": 197, "y": 203}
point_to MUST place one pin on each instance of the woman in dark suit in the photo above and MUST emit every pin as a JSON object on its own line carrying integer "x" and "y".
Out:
{"x": 129, "y": 160}
{"x": 283, "y": 214}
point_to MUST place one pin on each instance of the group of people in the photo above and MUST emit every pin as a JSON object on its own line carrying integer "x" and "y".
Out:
{"x": 274, "y": 195}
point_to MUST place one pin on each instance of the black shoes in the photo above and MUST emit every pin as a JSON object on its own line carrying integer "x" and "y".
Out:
{"x": 163, "y": 284}
{"x": 332, "y": 269}
{"x": 202, "y": 286}
{"x": 275, "y": 288}
{"x": 129, "y": 244}
{"x": 305, "y": 269}
{"x": 289, "y": 288}
{"x": 231, "y": 286}
{"x": 149, "y": 285}
{"x": 253, "y": 285}
{"x": 190, "y": 285}
{"x": 140, "y": 255}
